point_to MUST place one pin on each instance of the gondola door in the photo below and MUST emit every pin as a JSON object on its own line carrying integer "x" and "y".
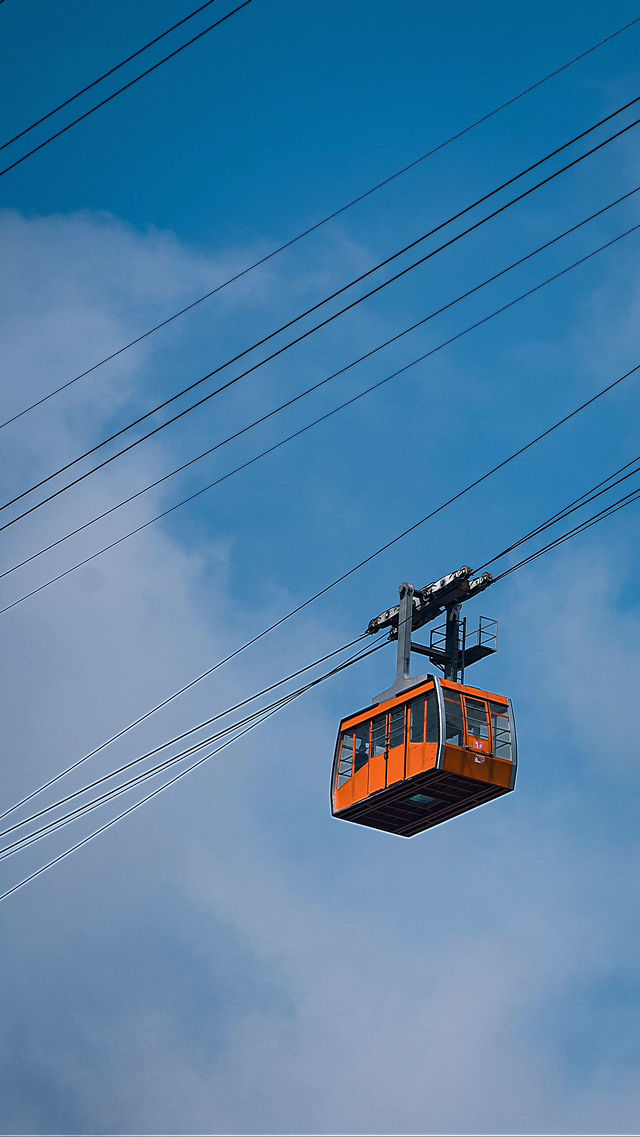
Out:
{"x": 397, "y": 744}
{"x": 379, "y": 750}
{"x": 388, "y": 749}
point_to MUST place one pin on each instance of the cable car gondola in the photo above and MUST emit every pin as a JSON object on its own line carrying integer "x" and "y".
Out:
{"x": 428, "y": 748}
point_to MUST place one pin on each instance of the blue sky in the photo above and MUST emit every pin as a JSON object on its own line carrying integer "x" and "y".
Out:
{"x": 231, "y": 959}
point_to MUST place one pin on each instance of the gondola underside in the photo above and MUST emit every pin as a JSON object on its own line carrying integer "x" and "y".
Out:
{"x": 393, "y": 810}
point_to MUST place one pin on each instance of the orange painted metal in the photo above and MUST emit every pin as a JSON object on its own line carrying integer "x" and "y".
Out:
{"x": 415, "y": 765}
{"x": 493, "y": 771}
{"x": 421, "y": 756}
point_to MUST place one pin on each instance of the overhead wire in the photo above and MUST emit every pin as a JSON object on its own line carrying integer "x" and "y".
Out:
{"x": 267, "y": 712}
{"x": 121, "y": 90}
{"x": 608, "y": 511}
{"x": 310, "y": 331}
{"x": 166, "y": 763}
{"x": 318, "y": 224}
{"x": 136, "y": 805}
{"x": 327, "y": 379}
{"x": 81, "y": 811}
{"x": 579, "y": 503}
{"x": 295, "y": 434}
{"x": 165, "y": 785}
{"x": 580, "y": 528}
{"x": 610, "y": 482}
{"x": 107, "y": 74}
{"x": 195, "y": 729}
{"x": 322, "y": 592}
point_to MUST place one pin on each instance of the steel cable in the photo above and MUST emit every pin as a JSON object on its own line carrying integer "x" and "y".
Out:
{"x": 107, "y": 74}
{"x": 289, "y": 438}
{"x": 158, "y": 789}
{"x": 318, "y": 224}
{"x": 579, "y": 503}
{"x": 121, "y": 90}
{"x": 608, "y": 511}
{"x": 322, "y": 592}
{"x": 327, "y": 320}
{"x": 186, "y": 734}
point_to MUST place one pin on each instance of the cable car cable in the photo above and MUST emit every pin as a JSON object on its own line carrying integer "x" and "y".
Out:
{"x": 43, "y": 868}
{"x": 186, "y": 734}
{"x": 584, "y": 499}
{"x": 81, "y": 811}
{"x": 316, "y": 386}
{"x": 259, "y": 714}
{"x": 318, "y": 305}
{"x": 107, "y": 74}
{"x": 281, "y": 442}
{"x": 579, "y": 503}
{"x": 310, "y": 600}
{"x": 120, "y": 734}
{"x": 131, "y": 83}
{"x": 137, "y": 804}
{"x": 318, "y": 224}
{"x": 608, "y": 511}
{"x": 615, "y": 507}
{"x": 329, "y": 319}
{"x": 321, "y": 383}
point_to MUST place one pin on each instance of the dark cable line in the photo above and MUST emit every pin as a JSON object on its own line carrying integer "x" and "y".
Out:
{"x": 309, "y": 332}
{"x": 613, "y": 475}
{"x": 296, "y": 434}
{"x": 327, "y": 588}
{"x": 186, "y": 734}
{"x": 107, "y": 74}
{"x": 264, "y": 712}
{"x": 615, "y": 507}
{"x": 136, "y": 805}
{"x": 579, "y": 503}
{"x": 257, "y": 715}
{"x": 310, "y": 390}
{"x": 120, "y": 91}
{"x": 110, "y": 795}
{"x": 114, "y": 738}
{"x": 609, "y": 511}
{"x": 118, "y": 817}
{"x": 318, "y": 224}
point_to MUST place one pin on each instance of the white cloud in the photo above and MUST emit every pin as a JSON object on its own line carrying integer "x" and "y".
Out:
{"x": 581, "y": 639}
{"x": 225, "y": 960}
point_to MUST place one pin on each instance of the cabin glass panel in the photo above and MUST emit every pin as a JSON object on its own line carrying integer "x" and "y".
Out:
{"x": 454, "y": 724}
{"x": 396, "y": 727}
{"x": 345, "y": 764}
{"x": 477, "y": 720}
{"x": 418, "y": 707}
{"x": 433, "y": 718}
{"x": 379, "y": 735}
{"x": 501, "y": 726}
{"x": 362, "y": 737}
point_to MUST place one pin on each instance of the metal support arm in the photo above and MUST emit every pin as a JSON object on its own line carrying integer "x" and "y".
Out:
{"x": 418, "y": 607}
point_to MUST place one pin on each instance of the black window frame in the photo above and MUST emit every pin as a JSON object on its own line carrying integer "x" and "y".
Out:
{"x": 419, "y": 702}
{"x": 433, "y": 719}
{"x": 453, "y": 698}
{"x": 362, "y": 754}
{"x": 396, "y": 712}
{"x": 341, "y": 777}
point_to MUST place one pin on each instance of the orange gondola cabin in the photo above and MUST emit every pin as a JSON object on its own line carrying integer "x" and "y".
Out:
{"x": 429, "y": 748}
